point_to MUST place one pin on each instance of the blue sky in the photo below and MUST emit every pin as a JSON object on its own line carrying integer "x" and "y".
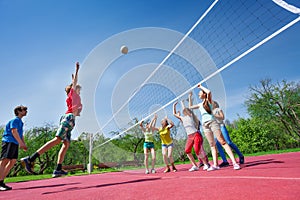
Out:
{"x": 41, "y": 40}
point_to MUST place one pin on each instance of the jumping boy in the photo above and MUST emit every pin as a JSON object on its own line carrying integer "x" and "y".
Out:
{"x": 11, "y": 140}
{"x": 63, "y": 134}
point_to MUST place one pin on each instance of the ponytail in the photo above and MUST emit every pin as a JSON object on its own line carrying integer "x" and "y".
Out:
{"x": 206, "y": 104}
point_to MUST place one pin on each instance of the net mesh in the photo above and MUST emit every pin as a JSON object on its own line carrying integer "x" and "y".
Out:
{"x": 227, "y": 31}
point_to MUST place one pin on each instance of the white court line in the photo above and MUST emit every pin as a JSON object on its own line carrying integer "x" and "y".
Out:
{"x": 140, "y": 172}
{"x": 242, "y": 177}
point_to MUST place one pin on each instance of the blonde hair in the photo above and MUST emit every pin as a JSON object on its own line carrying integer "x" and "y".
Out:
{"x": 215, "y": 104}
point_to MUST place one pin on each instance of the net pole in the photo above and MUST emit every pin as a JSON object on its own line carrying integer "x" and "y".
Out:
{"x": 90, "y": 153}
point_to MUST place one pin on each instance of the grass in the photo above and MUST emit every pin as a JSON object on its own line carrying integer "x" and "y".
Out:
{"x": 97, "y": 171}
{"x": 274, "y": 152}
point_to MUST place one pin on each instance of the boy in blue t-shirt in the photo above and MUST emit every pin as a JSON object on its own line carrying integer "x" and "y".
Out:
{"x": 12, "y": 138}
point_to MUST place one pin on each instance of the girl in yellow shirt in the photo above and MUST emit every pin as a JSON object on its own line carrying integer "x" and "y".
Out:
{"x": 167, "y": 143}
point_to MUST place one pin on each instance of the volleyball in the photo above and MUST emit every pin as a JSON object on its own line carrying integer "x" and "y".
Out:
{"x": 124, "y": 49}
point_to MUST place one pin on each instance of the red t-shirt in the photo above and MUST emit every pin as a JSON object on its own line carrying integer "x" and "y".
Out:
{"x": 73, "y": 101}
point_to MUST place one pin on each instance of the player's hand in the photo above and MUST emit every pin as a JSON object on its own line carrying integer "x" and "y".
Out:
{"x": 190, "y": 94}
{"x": 155, "y": 116}
{"x": 23, "y": 146}
{"x": 175, "y": 103}
{"x": 199, "y": 85}
{"x": 141, "y": 124}
{"x": 77, "y": 65}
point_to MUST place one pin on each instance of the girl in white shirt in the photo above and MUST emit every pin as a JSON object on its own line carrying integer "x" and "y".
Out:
{"x": 194, "y": 138}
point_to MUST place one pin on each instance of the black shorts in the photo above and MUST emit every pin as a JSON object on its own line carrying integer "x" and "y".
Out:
{"x": 9, "y": 150}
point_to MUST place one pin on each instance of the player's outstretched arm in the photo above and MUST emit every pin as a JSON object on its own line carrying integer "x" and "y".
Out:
{"x": 191, "y": 106}
{"x": 75, "y": 76}
{"x": 153, "y": 123}
{"x": 142, "y": 126}
{"x": 171, "y": 124}
{"x": 175, "y": 113}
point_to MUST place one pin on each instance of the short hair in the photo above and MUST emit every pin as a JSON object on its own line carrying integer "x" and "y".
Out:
{"x": 19, "y": 109}
{"x": 68, "y": 88}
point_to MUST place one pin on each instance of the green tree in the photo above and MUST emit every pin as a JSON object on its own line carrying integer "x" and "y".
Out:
{"x": 277, "y": 104}
{"x": 132, "y": 140}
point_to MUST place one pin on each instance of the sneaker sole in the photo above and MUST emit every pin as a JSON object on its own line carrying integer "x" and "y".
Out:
{"x": 57, "y": 175}
{"x": 214, "y": 169}
{"x": 23, "y": 164}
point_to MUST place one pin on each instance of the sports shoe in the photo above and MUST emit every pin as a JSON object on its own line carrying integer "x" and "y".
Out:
{"x": 224, "y": 164}
{"x": 213, "y": 168}
{"x": 153, "y": 171}
{"x": 167, "y": 170}
{"x": 4, "y": 187}
{"x": 146, "y": 172}
{"x": 59, "y": 173}
{"x": 236, "y": 166}
{"x": 174, "y": 169}
{"x": 242, "y": 160}
{"x": 194, "y": 168}
{"x": 206, "y": 167}
{"x": 27, "y": 165}
{"x": 201, "y": 164}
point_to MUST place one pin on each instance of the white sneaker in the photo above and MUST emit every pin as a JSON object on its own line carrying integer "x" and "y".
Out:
{"x": 194, "y": 168}
{"x": 212, "y": 168}
{"x": 153, "y": 171}
{"x": 236, "y": 166}
{"x": 147, "y": 172}
{"x": 206, "y": 167}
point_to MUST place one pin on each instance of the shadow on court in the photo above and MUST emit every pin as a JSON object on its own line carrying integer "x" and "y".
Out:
{"x": 101, "y": 185}
{"x": 46, "y": 186}
{"x": 262, "y": 162}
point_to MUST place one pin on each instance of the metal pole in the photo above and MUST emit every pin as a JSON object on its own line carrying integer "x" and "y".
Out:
{"x": 90, "y": 154}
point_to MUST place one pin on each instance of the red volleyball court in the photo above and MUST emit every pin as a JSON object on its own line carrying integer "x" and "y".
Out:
{"x": 262, "y": 177}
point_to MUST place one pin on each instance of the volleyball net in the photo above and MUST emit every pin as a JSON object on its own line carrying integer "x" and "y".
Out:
{"x": 225, "y": 32}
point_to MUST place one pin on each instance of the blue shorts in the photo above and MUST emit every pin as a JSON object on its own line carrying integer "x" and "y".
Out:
{"x": 148, "y": 145}
{"x": 167, "y": 145}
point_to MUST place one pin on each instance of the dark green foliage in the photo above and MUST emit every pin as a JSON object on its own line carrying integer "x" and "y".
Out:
{"x": 274, "y": 122}
{"x": 278, "y": 104}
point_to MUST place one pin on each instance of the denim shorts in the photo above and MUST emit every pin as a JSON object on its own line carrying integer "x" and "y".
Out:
{"x": 167, "y": 145}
